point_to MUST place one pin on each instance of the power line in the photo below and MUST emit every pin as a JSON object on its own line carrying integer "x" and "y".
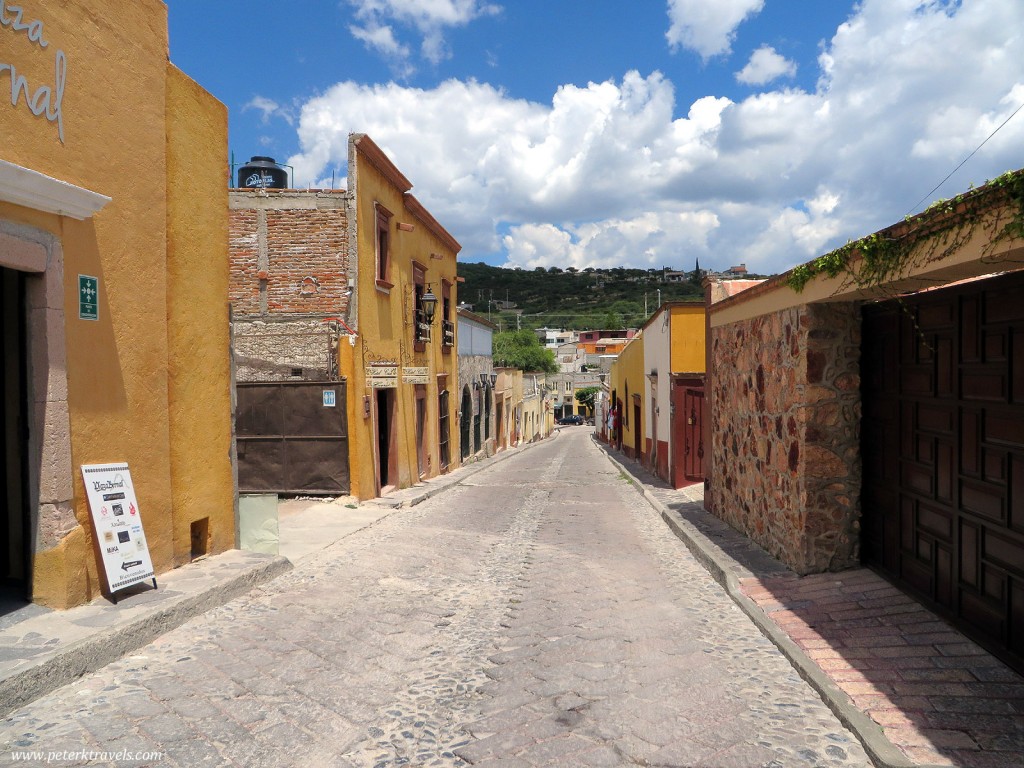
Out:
{"x": 964, "y": 161}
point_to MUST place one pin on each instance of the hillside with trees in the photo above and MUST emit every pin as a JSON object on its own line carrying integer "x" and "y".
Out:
{"x": 572, "y": 299}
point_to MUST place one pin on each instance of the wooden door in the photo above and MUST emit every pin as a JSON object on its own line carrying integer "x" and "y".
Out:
{"x": 943, "y": 453}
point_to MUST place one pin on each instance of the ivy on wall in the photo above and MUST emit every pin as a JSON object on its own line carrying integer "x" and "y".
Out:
{"x": 940, "y": 230}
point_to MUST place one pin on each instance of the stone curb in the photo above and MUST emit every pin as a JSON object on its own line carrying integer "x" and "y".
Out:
{"x": 883, "y": 753}
{"x": 441, "y": 483}
{"x": 109, "y": 644}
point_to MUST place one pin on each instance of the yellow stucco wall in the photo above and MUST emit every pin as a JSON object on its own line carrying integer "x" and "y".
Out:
{"x": 628, "y": 379}
{"x": 115, "y": 141}
{"x": 687, "y": 339}
{"x": 385, "y": 320}
{"x": 199, "y": 344}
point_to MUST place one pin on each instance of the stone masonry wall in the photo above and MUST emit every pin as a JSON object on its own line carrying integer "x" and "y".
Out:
{"x": 785, "y": 433}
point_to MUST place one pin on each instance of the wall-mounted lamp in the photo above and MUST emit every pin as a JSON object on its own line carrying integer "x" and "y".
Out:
{"x": 428, "y": 303}
{"x": 483, "y": 379}
{"x": 494, "y": 379}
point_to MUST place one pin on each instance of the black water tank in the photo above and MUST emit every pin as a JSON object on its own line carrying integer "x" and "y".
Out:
{"x": 262, "y": 172}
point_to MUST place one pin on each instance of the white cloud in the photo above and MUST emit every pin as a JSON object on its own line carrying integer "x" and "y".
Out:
{"x": 429, "y": 18}
{"x": 642, "y": 241}
{"x": 607, "y": 173}
{"x": 764, "y": 66}
{"x": 268, "y": 108}
{"x": 707, "y": 26}
{"x": 380, "y": 38}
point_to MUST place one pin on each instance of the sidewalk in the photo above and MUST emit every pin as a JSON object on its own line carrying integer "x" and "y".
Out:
{"x": 914, "y": 690}
{"x": 42, "y": 650}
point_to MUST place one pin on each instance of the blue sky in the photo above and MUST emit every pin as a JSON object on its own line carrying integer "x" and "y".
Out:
{"x": 649, "y": 134}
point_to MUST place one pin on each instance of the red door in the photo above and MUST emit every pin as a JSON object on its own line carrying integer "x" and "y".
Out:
{"x": 687, "y": 438}
{"x": 693, "y": 434}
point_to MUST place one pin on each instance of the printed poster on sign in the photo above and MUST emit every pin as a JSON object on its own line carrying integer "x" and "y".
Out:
{"x": 118, "y": 524}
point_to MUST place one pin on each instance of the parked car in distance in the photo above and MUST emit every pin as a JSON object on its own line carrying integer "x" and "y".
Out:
{"x": 575, "y": 419}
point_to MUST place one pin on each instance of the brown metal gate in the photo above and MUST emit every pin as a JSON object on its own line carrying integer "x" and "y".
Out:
{"x": 943, "y": 447}
{"x": 292, "y": 437}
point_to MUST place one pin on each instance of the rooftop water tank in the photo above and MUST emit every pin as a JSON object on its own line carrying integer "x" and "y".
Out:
{"x": 262, "y": 173}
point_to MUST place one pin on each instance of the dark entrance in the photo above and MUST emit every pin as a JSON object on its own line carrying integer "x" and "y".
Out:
{"x": 638, "y": 429}
{"x": 943, "y": 446}
{"x": 290, "y": 439}
{"x": 442, "y": 430}
{"x": 465, "y": 422}
{"x": 386, "y": 474}
{"x": 14, "y": 549}
{"x": 421, "y": 430}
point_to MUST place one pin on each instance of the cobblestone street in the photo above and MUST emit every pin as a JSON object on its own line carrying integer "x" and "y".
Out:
{"x": 538, "y": 614}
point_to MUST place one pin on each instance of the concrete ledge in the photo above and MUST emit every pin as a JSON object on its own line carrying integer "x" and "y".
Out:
{"x": 727, "y": 571}
{"x": 52, "y": 649}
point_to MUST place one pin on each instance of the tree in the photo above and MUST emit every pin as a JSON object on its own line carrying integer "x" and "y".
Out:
{"x": 523, "y": 350}
{"x": 585, "y": 397}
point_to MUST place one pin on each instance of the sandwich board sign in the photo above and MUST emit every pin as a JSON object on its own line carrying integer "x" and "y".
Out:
{"x": 118, "y": 525}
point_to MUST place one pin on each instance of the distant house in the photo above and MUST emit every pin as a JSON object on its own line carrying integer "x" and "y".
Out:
{"x": 477, "y": 378}
{"x": 598, "y": 335}
{"x": 657, "y": 383}
{"x": 552, "y": 338}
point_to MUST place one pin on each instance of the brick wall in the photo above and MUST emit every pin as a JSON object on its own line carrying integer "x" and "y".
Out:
{"x": 243, "y": 252}
{"x": 785, "y": 433}
{"x": 307, "y": 253}
{"x": 288, "y": 253}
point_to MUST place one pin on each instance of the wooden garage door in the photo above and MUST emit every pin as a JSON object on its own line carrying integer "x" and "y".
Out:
{"x": 943, "y": 447}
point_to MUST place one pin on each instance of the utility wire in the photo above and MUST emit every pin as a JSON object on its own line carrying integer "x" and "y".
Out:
{"x": 929, "y": 194}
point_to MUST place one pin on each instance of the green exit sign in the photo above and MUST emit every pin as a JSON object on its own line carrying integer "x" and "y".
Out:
{"x": 88, "y": 298}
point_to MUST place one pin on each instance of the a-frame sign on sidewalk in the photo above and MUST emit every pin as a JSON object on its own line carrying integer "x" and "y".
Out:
{"x": 117, "y": 521}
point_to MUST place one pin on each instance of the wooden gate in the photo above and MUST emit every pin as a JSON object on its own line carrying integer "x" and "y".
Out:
{"x": 292, "y": 437}
{"x": 943, "y": 447}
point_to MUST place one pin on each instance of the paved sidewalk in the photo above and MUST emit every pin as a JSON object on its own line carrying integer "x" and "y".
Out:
{"x": 42, "y": 650}
{"x": 914, "y": 690}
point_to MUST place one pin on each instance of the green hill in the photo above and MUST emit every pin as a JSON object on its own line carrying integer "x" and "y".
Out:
{"x": 609, "y": 298}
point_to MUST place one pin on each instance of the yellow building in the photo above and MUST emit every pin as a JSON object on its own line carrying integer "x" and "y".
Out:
{"x": 628, "y": 386}
{"x": 114, "y": 334}
{"x": 402, "y": 364}
{"x": 657, "y": 383}
{"x": 538, "y": 417}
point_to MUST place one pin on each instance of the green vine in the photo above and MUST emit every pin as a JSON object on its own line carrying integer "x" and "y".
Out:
{"x": 942, "y": 228}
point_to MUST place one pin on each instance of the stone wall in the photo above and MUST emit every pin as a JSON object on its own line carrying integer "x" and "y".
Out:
{"x": 299, "y": 350}
{"x": 785, "y": 433}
